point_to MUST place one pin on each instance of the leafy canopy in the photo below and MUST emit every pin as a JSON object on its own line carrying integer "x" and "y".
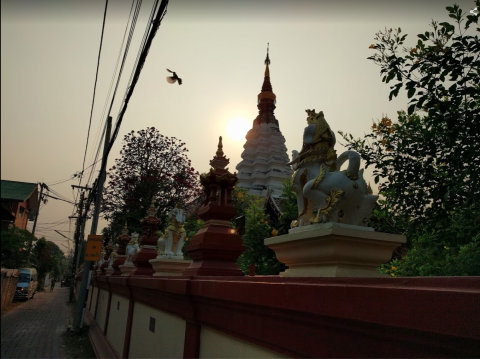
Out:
{"x": 152, "y": 166}
{"x": 426, "y": 162}
{"x": 257, "y": 228}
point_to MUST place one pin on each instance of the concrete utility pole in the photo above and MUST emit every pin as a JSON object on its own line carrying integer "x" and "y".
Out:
{"x": 83, "y": 293}
{"x": 42, "y": 186}
{"x": 76, "y": 237}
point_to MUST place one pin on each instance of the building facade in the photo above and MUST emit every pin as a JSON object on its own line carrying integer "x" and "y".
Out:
{"x": 19, "y": 202}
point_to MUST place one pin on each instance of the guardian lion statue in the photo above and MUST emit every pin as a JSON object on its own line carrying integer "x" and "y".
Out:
{"x": 172, "y": 242}
{"x": 319, "y": 184}
{"x": 132, "y": 249}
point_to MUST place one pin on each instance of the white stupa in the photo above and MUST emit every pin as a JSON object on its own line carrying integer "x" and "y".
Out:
{"x": 264, "y": 161}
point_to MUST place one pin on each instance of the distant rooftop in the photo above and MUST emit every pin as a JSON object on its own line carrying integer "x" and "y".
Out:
{"x": 17, "y": 191}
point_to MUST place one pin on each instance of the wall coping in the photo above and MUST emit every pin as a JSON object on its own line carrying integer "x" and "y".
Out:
{"x": 432, "y": 316}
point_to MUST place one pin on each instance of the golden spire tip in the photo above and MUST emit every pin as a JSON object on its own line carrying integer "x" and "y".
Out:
{"x": 220, "y": 147}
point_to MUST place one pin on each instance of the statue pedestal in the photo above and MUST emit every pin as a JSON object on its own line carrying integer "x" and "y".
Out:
{"x": 141, "y": 258}
{"x": 334, "y": 250}
{"x": 103, "y": 267}
{"x": 109, "y": 271}
{"x": 126, "y": 269}
{"x": 169, "y": 267}
{"x": 118, "y": 262}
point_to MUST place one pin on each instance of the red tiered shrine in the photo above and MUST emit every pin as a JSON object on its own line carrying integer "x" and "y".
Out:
{"x": 216, "y": 247}
{"x": 147, "y": 244}
{"x": 122, "y": 245}
{"x": 108, "y": 252}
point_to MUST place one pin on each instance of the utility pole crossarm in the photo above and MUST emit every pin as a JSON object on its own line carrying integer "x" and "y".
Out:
{"x": 82, "y": 187}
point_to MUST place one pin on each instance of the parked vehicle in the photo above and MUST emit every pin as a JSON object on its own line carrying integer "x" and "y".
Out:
{"x": 65, "y": 282}
{"x": 27, "y": 284}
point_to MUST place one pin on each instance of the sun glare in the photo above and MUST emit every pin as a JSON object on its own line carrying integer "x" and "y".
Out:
{"x": 237, "y": 128}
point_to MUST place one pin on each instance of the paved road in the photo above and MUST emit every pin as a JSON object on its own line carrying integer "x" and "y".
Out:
{"x": 32, "y": 330}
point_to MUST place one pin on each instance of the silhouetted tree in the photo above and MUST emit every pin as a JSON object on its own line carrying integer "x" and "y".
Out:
{"x": 152, "y": 166}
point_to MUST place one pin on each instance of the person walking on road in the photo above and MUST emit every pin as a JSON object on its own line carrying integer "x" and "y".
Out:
{"x": 52, "y": 284}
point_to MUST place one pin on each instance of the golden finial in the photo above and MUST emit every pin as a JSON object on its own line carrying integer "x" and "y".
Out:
{"x": 152, "y": 205}
{"x": 369, "y": 189}
{"x": 125, "y": 226}
{"x": 267, "y": 62}
{"x": 220, "y": 148}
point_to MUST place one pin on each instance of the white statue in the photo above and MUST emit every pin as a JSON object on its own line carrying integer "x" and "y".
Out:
{"x": 132, "y": 249}
{"x": 174, "y": 237}
{"x": 161, "y": 244}
{"x": 318, "y": 181}
{"x": 102, "y": 259}
{"x": 113, "y": 256}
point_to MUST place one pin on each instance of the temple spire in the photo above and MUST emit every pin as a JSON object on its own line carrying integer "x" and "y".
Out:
{"x": 267, "y": 62}
{"x": 266, "y": 98}
{"x": 219, "y": 161}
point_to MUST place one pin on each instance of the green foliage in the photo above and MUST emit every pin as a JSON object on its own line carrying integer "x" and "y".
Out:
{"x": 46, "y": 257}
{"x": 152, "y": 166}
{"x": 14, "y": 253}
{"x": 288, "y": 207}
{"x": 192, "y": 226}
{"x": 427, "y": 166}
{"x": 257, "y": 228}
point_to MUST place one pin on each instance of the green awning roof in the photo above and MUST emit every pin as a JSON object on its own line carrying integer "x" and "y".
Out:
{"x": 17, "y": 191}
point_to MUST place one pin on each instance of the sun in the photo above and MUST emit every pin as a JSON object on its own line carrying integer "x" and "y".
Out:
{"x": 237, "y": 128}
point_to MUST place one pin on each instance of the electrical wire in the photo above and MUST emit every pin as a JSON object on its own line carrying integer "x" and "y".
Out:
{"x": 58, "y": 198}
{"x": 125, "y": 54}
{"x": 103, "y": 117}
{"x": 95, "y": 87}
{"x": 59, "y": 181}
{"x": 152, "y": 29}
{"x": 60, "y": 195}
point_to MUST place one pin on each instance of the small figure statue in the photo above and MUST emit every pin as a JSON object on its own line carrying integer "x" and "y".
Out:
{"x": 102, "y": 258}
{"x": 175, "y": 233}
{"x": 161, "y": 244}
{"x": 318, "y": 181}
{"x": 113, "y": 256}
{"x": 132, "y": 248}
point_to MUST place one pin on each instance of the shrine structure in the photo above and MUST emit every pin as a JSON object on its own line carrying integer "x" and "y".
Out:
{"x": 264, "y": 160}
{"x": 216, "y": 247}
{"x": 147, "y": 243}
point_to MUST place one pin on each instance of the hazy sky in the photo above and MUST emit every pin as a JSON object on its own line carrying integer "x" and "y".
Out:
{"x": 318, "y": 52}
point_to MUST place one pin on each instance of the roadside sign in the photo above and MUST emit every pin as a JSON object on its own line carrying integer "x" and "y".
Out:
{"x": 94, "y": 248}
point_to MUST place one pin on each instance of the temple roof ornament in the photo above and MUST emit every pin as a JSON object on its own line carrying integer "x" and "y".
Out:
{"x": 219, "y": 161}
{"x": 266, "y": 98}
{"x": 216, "y": 247}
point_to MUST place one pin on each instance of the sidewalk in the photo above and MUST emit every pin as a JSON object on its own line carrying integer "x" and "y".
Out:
{"x": 32, "y": 330}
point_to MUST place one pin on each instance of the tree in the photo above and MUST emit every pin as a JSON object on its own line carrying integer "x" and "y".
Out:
{"x": 46, "y": 257}
{"x": 427, "y": 165}
{"x": 192, "y": 226}
{"x": 15, "y": 242}
{"x": 152, "y": 166}
{"x": 288, "y": 207}
{"x": 257, "y": 228}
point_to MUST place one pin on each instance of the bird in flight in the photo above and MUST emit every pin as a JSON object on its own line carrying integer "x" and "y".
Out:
{"x": 174, "y": 78}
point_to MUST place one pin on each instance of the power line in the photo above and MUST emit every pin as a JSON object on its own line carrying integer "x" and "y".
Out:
{"x": 47, "y": 195}
{"x": 102, "y": 118}
{"x": 136, "y": 74}
{"x": 127, "y": 47}
{"x": 95, "y": 86}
